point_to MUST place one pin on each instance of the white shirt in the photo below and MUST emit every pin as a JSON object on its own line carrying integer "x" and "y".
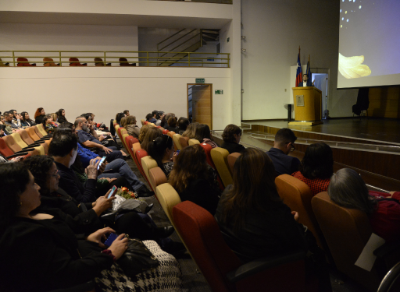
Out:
{"x": 304, "y": 83}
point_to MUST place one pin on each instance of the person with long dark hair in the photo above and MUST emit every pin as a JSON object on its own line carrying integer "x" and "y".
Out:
{"x": 161, "y": 150}
{"x": 348, "y": 189}
{"x": 316, "y": 167}
{"x": 203, "y": 135}
{"x": 39, "y": 115}
{"x": 231, "y": 136}
{"x": 61, "y": 116}
{"x": 26, "y": 121}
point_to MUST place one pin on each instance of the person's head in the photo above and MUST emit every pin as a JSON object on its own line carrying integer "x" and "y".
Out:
{"x": 143, "y": 132}
{"x": 347, "y": 189}
{"x": 45, "y": 172}
{"x": 63, "y": 146}
{"x": 191, "y": 130}
{"x": 172, "y": 122}
{"x": 232, "y": 133}
{"x": 118, "y": 117}
{"x": 305, "y": 77}
{"x": 39, "y": 112}
{"x": 19, "y": 194}
{"x": 183, "y": 123}
{"x": 8, "y": 116}
{"x": 284, "y": 140}
{"x": 161, "y": 148}
{"x": 154, "y": 113}
{"x": 159, "y": 115}
{"x": 149, "y": 117}
{"x": 126, "y": 113}
{"x": 189, "y": 165}
{"x": 48, "y": 119}
{"x": 253, "y": 186}
{"x": 54, "y": 117}
{"x": 14, "y": 113}
{"x": 130, "y": 120}
{"x": 81, "y": 124}
{"x": 61, "y": 112}
{"x": 25, "y": 116}
{"x": 165, "y": 118}
{"x": 123, "y": 122}
{"x": 152, "y": 134}
{"x": 202, "y": 132}
{"x": 317, "y": 161}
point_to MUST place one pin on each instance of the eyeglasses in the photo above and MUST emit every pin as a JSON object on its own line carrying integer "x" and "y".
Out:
{"x": 292, "y": 148}
{"x": 55, "y": 174}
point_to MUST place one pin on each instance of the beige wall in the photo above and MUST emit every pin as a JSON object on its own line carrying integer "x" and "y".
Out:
{"x": 106, "y": 91}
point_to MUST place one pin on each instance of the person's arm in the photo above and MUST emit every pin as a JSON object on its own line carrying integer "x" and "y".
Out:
{"x": 93, "y": 132}
{"x": 69, "y": 183}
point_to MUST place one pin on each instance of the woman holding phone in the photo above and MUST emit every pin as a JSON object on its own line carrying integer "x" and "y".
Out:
{"x": 46, "y": 242}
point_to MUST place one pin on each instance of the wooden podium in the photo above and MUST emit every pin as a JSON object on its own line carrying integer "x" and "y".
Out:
{"x": 307, "y": 106}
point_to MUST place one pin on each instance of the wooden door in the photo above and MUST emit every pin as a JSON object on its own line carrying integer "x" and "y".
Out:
{"x": 200, "y": 103}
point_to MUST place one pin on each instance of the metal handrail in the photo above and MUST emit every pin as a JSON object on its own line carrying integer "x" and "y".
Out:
{"x": 170, "y": 37}
{"x": 176, "y": 40}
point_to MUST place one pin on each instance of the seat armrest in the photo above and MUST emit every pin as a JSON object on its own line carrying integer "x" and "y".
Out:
{"x": 29, "y": 148}
{"x": 17, "y": 155}
{"x": 262, "y": 264}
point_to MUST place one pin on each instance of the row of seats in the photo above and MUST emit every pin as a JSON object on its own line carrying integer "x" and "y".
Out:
{"x": 49, "y": 62}
{"x": 29, "y": 141}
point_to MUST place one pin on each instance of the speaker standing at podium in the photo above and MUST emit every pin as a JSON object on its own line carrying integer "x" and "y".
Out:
{"x": 304, "y": 83}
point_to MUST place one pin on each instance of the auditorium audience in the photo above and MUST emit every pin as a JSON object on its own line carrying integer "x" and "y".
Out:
{"x": 161, "y": 150}
{"x": 279, "y": 153}
{"x": 131, "y": 127}
{"x": 118, "y": 117}
{"x": 164, "y": 120}
{"x": 143, "y": 132}
{"x": 39, "y": 115}
{"x": 231, "y": 137}
{"x": 126, "y": 113}
{"x": 8, "y": 117}
{"x": 48, "y": 124}
{"x": 159, "y": 118}
{"x": 203, "y": 135}
{"x": 151, "y": 134}
{"x": 61, "y": 116}
{"x": 44, "y": 251}
{"x": 26, "y": 121}
{"x": 190, "y": 130}
{"x": 194, "y": 179}
{"x": 316, "y": 167}
{"x": 348, "y": 189}
{"x": 183, "y": 123}
{"x": 16, "y": 118}
{"x": 172, "y": 125}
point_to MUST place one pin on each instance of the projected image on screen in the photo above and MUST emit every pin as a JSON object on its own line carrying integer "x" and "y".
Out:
{"x": 369, "y": 43}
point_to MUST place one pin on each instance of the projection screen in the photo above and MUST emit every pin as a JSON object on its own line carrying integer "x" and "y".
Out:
{"x": 369, "y": 43}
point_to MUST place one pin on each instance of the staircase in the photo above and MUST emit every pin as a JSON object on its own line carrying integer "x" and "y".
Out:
{"x": 185, "y": 41}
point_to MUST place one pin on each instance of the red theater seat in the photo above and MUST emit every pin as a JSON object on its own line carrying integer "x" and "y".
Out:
{"x": 75, "y": 62}
{"x": 24, "y": 62}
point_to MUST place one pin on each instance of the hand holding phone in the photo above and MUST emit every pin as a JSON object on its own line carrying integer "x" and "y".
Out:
{"x": 110, "y": 239}
{"x": 112, "y": 192}
{"x": 101, "y": 162}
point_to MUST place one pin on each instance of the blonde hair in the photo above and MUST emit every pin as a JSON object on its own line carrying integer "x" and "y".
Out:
{"x": 151, "y": 134}
{"x": 191, "y": 130}
{"x": 123, "y": 122}
{"x": 54, "y": 116}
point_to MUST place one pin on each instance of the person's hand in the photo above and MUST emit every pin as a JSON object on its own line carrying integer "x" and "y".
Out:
{"x": 101, "y": 138}
{"x": 119, "y": 246}
{"x": 99, "y": 235}
{"x": 173, "y": 158}
{"x": 107, "y": 150}
{"x": 110, "y": 180}
{"x": 102, "y": 204}
{"x": 295, "y": 215}
{"x": 91, "y": 170}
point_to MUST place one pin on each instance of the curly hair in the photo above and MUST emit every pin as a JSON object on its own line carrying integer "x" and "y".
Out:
{"x": 14, "y": 180}
{"x": 317, "y": 161}
{"x": 39, "y": 166}
{"x": 189, "y": 165}
{"x": 229, "y": 131}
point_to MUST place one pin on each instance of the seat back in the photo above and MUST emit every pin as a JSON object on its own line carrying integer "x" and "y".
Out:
{"x": 231, "y": 160}
{"x": 98, "y": 62}
{"x": 139, "y": 155}
{"x": 207, "y": 149}
{"x": 48, "y": 62}
{"x": 297, "y": 196}
{"x": 165, "y": 132}
{"x": 124, "y": 62}
{"x": 25, "y": 136}
{"x": 184, "y": 141}
{"x": 193, "y": 142}
{"x": 41, "y": 129}
{"x": 129, "y": 141}
{"x": 346, "y": 231}
{"x": 135, "y": 147}
{"x": 32, "y": 132}
{"x": 75, "y": 62}
{"x": 147, "y": 164}
{"x": 11, "y": 143}
{"x": 4, "y": 149}
{"x": 24, "y": 62}
{"x": 202, "y": 236}
{"x": 176, "y": 139}
{"x": 157, "y": 177}
{"x": 124, "y": 134}
{"x": 18, "y": 140}
{"x": 3, "y": 64}
{"x": 168, "y": 198}
{"x": 219, "y": 157}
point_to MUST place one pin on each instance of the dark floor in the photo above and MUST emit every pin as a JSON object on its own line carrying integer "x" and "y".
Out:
{"x": 193, "y": 280}
{"x": 365, "y": 128}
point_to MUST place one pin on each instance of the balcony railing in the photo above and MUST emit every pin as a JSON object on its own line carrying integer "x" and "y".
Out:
{"x": 202, "y": 1}
{"x": 113, "y": 58}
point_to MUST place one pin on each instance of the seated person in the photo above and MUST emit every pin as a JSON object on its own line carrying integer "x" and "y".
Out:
{"x": 191, "y": 130}
{"x": 316, "y": 167}
{"x": 159, "y": 118}
{"x": 183, "y": 123}
{"x": 16, "y": 118}
{"x": 150, "y": 118}
{"x": 45, "y": 249}
{"x": 203, "y": 135}
{"x": 48, "y": 124}
{"x": 118, "y": 117}
{"x": 61, "y": 116}
{"x": 164, "y": 120}
{"x": 26, "y": 121}
{"x": 231, "y": 137}
{"x": 131, "y": 127}
{"x": 151, "y": 134}
{"x": 194, "y": 179}
{"x": 8, "y": 117}
{"x": 161, "y": 150}
{"x": 143, "y": 132}
{"x": 126, "y": 113}
{"x": 92, "y": 140}
{"x": 123, "y": 122}
{"x": 39, "y": 115}
{"x": 171, "y": 125}
{"x": 347, "y": 189}
{"x": 279, "y": 154}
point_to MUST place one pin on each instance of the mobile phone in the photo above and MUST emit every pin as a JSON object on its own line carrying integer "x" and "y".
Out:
{"x": 110, "y": 239}
{"x": 177, "y": 152}
{"x": 113, "y": 192}
{"x": 101, "y": 162}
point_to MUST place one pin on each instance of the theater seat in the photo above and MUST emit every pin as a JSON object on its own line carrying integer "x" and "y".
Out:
{"x": 129, "y": 141}
{"x": 23, "y": 145}
{"x": 193, "y": 142}
{"x": 140, "y": 153}
{"x": 231, "y": 159}
{"x": 147, "y": 164}
{"x": 48, "y": 62}
{"x": 124, "y": 62}
{"x": 177, "y": 143}
{"x": 99, "y": 62}
{"x": 157, "y": 177}
{"x": 184, "y": 141}
{"x": 207, "y": 149}
{"x": 346, "y": 231}
{"x": 219, "y": 157}
{"x": 4, "y": 64}
{"x": 123, "y": 133}
{"x": 75, "y": 62}
{"x": 23, "y": 62}
{"x": 12, "y": 144}
{"x": 165, "y": 132}
{"x": 42, "y": 131}
{"x": 9, "y": 153}
{"x": 223, "y": 270}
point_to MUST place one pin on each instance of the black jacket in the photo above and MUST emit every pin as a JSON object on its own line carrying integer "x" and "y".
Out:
{"x": 42, "y": 255}
{"x": 232, "y": 147}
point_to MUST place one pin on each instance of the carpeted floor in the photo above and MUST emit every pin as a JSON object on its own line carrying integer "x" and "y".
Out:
{"x": 193, "y": 280}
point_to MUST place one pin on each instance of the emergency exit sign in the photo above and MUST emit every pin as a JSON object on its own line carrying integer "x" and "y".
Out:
{"x": 219, "y": 91}
{"x": 200, "y": 80}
